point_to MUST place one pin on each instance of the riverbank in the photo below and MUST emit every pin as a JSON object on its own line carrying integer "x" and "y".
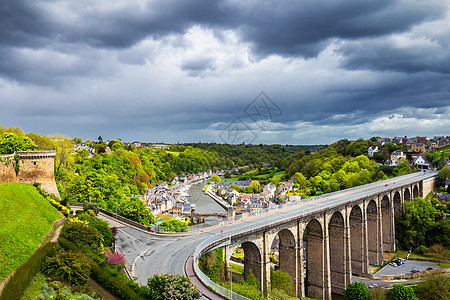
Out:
{"x": 204, "y": 203}
{"x": 218, "y": 199}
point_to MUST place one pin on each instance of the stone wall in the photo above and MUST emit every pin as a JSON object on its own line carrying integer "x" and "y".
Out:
{"x": 34, "y": 166}
{"x": 7, "y": 171}
{"x": 429, "y": 185}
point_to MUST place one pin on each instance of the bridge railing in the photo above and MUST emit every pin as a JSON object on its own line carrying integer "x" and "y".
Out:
{"x": 207, "y": 281}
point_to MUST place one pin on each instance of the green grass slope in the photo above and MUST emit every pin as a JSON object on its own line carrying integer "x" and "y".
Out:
{"x": 25, "y": 218}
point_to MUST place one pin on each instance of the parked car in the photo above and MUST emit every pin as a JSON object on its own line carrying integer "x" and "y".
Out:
{"x": 393, "y": 263}
{"x": 415, "y": 271}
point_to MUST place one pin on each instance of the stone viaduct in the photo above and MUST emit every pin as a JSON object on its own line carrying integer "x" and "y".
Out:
{"x": 33, "y": 166}
{"x": 340, "y": 239}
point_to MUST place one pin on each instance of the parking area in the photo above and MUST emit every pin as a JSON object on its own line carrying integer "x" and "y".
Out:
{"x": 407, "y": 267}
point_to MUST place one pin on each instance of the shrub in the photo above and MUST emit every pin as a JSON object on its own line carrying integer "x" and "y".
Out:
{"x": 82, "y": 235}
{"x": 250, "y": 279}
{"x": 116, "y": 259}
{"x": 213, "y": 265}
{"x": 377, "y": 293}
{"x": 112, "y": 284}
{"x": 246, "y": 290}
{"x": 434, "y": 286}
{"x": 91, "y": 206}
{"x": 281, "y": 281}
{"x": 25, "y": 273}
{"x": 402, "y": 292}
{"x": 101, "y": 225}
{"x": 356, "y": 291}
{"x": 421, "y": 249}
{"x": 69, "y": 266}
{"x": 175, "y": 225}
{"x": 167, "y": 286}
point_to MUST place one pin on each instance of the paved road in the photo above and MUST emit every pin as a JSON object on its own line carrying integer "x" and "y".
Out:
{"x": 148, "y": 254}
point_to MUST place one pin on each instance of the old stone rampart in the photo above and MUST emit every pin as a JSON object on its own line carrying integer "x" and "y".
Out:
{"x": 33, "y": 166}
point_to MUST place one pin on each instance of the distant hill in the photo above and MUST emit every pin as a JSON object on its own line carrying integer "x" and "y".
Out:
{"x": 25, "y": 218}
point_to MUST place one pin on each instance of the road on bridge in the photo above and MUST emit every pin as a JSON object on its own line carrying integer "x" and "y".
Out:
{"x": 147, "y": 253}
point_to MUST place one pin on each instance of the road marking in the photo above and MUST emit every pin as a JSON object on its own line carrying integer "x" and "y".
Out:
{"x": 132, "y": 237}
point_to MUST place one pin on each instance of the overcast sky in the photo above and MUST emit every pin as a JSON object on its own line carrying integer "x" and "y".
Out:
{"x": 287, "y": 72}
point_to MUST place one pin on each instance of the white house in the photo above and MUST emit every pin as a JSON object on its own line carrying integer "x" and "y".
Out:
{"x": 372, "y": 150}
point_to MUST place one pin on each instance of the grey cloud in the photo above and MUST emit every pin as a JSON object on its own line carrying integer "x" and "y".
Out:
{"x": 197, "y": 64}
{"x": 382, "y": 55}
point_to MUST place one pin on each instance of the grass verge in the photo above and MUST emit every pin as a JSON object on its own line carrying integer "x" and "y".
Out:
{"x": 25, "y": 218}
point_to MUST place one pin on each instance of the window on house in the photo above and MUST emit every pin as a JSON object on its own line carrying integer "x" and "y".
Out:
{"x": 34, "y": 163}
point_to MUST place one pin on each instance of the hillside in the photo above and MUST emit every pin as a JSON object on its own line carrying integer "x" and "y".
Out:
{"x": 25, "y": 218}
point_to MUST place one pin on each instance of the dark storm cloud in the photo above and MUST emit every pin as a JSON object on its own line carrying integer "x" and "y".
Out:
{"x": 123, "y": 66}
{"x": 382, "y": 55}
{"x": 301, "y": 28}
{"x": 287, "y": 27}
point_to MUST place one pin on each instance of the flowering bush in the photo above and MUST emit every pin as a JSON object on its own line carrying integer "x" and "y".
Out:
{"x": 116, "y": 259}
{"x": 168, "y": 286}
{"x": 76, "y": 220}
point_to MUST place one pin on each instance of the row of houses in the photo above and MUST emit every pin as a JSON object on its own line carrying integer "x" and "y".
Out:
{"x": 245, "y": 202}
{"x": 413, "y": 144}
{"x": 398, "y": 156}
{"x": 162, "y": 200}
{"x": 194, "y": 177}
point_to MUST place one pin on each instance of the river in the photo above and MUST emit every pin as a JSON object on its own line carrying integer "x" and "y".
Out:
{"x": 203, "y": 203}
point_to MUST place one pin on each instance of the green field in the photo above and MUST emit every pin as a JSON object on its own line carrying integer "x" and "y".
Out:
{"x": 25, "y": 218}
{"x": 173, "y": 153}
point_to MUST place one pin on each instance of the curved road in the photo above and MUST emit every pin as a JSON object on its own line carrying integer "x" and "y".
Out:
{"x": 148, "y": 254}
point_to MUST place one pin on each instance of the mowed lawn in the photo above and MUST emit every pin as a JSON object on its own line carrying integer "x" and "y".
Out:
{"x": 25, "y": 218}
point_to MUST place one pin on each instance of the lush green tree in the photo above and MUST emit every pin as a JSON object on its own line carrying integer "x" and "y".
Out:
{"x": 435, "y": 286}
{"x": 422, "y": 224}
{"x": 256, "y": 186}
{"x": 402, "y": 292}
{"x": 281, "y": 281}
{"x": 168, "y": 287}
{"x": 9, "y": 143}
{"x": 215, "y": 179}
{"x": 377, "y": 293}
{"x": 391, "y": 147}
{"x": 175, "y": 225}
{"x": 300, "y": 180}
{"x": 213, "y": 265}
{"x": 356, "y": 291}
{"x": 443, "y": 174}
{"x": 42, "y": 142}
{"x": 134, "y": 209}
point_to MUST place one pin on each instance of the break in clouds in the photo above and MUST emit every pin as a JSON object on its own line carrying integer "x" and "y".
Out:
{"x": 183, "y": 70}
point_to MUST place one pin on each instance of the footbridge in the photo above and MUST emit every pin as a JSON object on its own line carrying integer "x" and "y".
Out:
{"x": 322, "y": 240}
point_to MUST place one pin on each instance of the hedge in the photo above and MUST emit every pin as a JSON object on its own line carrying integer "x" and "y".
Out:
{"x": 112, "y": 284}
{"x": 103, "y": 277}
{"x": 23, "y": 275}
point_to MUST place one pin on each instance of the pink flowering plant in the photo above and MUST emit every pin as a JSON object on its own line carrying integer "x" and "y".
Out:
{"x": 172, "y": 287}
{"x": 116, "y": 259}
